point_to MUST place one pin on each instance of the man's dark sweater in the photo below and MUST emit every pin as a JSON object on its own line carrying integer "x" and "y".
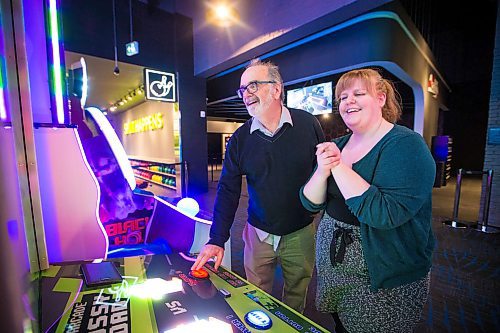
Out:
{"x": 275, "y": 168}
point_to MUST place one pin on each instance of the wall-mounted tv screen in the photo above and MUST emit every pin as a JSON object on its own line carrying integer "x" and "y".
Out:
{"x": 315, "y": 99}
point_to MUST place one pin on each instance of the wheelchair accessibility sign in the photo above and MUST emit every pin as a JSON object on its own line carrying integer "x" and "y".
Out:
{"x": 159, "y": 86}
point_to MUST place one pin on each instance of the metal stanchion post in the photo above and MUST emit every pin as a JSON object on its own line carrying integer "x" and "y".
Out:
{"x": 212, "y": 168}
{"x": 484, "y": 227}
{"x": 186, "y": 178}
{"x": 454, "y": 222}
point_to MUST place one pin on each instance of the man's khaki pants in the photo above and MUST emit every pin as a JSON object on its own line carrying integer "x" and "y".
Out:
{"x": 296, "y": 256}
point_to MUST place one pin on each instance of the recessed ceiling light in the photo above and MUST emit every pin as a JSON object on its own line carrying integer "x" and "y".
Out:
{"x": 222, "y": 15}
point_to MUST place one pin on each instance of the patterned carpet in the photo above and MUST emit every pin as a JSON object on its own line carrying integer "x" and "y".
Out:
{"x": 465, "y": 282}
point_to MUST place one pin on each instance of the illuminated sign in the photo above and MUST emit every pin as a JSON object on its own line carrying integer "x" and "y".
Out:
{"x": 132, "y": 48}
{"x": 160, "y": 86}
{"x": 433, "y": 86}
{"x": 148, "y": 123}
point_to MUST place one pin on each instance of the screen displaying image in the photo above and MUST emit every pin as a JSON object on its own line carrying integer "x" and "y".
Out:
{"x": 315, "y": 99}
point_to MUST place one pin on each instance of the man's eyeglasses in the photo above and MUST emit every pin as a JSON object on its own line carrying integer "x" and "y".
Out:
{"x": 252, "y": 87}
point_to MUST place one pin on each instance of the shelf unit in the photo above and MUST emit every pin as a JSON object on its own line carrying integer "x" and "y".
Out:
{"x": 163, "y": 173}
{"x": 157, "y": 172}
{"x": 156, "y": 182}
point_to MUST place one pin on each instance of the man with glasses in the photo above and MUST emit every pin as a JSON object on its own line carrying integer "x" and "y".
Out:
{"x": 275, "y": 150}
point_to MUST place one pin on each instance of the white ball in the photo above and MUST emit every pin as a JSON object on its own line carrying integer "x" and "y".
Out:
{"x": 188, "y": 206}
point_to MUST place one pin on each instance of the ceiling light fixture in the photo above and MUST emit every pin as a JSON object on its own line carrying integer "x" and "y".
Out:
{"x": 222, "y": 15}
{"x": 222, "y": 12}
{"x": 134, "y": 97}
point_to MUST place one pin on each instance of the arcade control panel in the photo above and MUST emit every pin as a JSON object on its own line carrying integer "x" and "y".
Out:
{"x": 159, "y": 293}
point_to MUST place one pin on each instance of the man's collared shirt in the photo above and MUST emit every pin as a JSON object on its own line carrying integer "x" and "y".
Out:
{"x": 285, "y": 118}
{"x": 266, "y": 237}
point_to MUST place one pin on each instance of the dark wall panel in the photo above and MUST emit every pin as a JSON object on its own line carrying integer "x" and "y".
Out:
{"x": 88, "y": 29}
{"x": 192, "y": 100}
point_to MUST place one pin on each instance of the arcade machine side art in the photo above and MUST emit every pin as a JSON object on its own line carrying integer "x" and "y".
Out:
{"x": 124, "y": 214}
{"x": 70, "y": 197}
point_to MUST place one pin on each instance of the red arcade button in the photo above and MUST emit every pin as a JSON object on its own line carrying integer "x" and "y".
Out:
{"x": 199, "y": 273}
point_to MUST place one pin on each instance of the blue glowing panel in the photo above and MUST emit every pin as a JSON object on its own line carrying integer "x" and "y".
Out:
{"x": 494, "y": 136}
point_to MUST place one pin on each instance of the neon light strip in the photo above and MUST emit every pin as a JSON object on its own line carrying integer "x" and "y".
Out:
{"x": 3, "y": 107}
{"x": 3, "y": 111}
{"x": 58, "y": 91}
{"x": 83, "y": 100}
{"x": 361, "y": 18}
{"x": 115, "y": 144}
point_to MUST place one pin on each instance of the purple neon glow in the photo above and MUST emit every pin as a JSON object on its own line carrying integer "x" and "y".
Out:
{"x": 56, "y": 57}
{"x": 3, "y": 107}
{"x": 3, "y": 110}
{"x": 13, "y": 230}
